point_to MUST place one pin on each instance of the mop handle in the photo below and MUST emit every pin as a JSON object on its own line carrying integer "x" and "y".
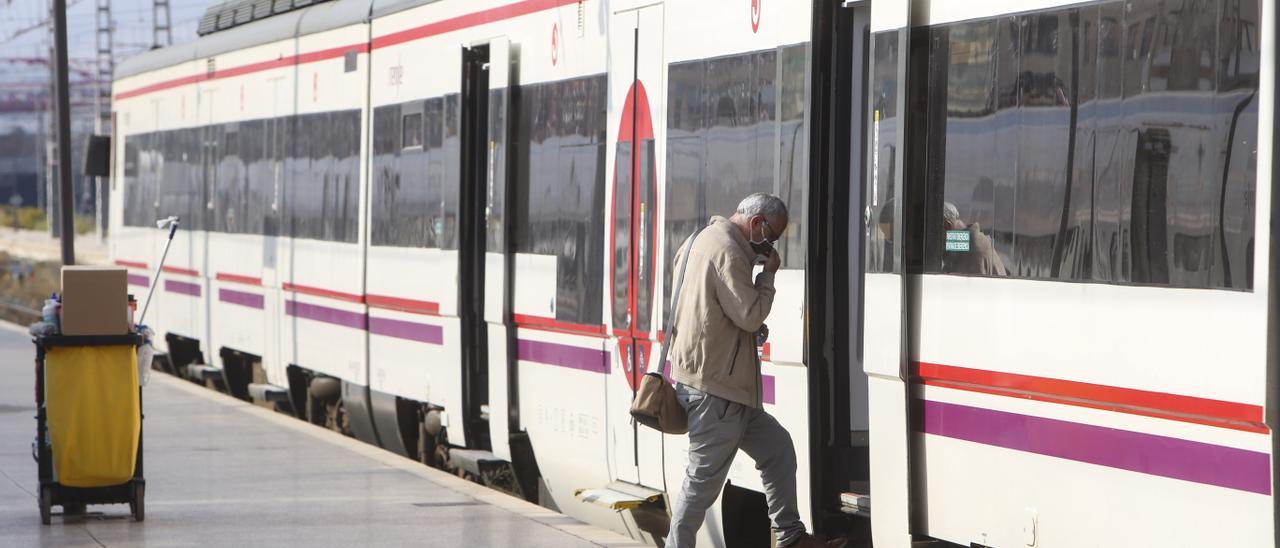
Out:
{"x": 155, "y": 278}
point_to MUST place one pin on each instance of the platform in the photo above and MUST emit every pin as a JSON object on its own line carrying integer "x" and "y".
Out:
{"x": 222, "y": 472}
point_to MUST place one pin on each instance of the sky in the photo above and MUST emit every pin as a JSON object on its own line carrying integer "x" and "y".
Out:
{"x": 20, "y": 35}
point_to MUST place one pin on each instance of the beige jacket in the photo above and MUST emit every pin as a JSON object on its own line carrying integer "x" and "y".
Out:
{"x": 719, "y": 312}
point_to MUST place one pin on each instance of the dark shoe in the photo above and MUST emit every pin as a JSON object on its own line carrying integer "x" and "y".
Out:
{"x": 809, "y": 541}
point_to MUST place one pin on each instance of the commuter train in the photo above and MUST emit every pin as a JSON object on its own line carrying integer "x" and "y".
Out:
{"x": 446, "y": 228}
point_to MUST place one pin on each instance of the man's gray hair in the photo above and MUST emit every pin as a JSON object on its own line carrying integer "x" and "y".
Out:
{"x": 760, "y": 203}
{"x": 950, "y": 213}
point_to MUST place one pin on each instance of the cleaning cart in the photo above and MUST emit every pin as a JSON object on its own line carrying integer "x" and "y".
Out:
{"x": 89, "y": 422}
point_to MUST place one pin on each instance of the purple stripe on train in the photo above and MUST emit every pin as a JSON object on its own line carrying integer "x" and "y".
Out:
{"x": 138, "y": 280}
{"x": 325, "y": 314}
{"x": 251, "y": 300}
{"x": 563, "y": 355}
{"x": 409, "y": 331}
{"x": 1133, "y": 451}
{"x": 185, "y": 288}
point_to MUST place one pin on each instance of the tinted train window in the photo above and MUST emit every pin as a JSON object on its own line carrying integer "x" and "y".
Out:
{"x": 238, "y": 177}
{"x": 322, "y": 186}
{"x": 736, "y": 125}
{"x": 1109, "y": 143}
{"x": 881, "y": 208}
{"x": 559, "y": 187}
{"x": 414, "y": 178}
{"x": 141, "y": 180}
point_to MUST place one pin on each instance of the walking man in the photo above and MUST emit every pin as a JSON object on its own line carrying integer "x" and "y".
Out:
{"x": 717, "y": 371}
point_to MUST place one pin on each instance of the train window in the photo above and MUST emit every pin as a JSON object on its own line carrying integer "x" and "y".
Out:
{"x": 414, "y": 187}
{"x": 495, "y": 222}
{"x": 231, "y": 199}
{"x": 174, "y": 194}
{"x": 451, "y": 162}
{"x": 1121, "y": 147}
{"x": 621, "y": 231}
{"x": 558, "y": 207}
{"x": 131, "y": 157}
{"x": 793, "y": 150}
{"x": 385, "y": 176}
{"x": 737, "y": 126}
{"x": 140, "y": 188}
{"x": 433, "y": 120}
{"x": 881, "y": 210}
{"x": 411, "y": 130}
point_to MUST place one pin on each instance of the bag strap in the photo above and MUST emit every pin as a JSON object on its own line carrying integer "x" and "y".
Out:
{"x": 669, "y": 332}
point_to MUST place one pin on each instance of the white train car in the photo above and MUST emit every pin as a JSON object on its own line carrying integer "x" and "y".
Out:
{"x": 445, "y": 228}
{"x": 1069, "y": 307}
{"x": 427, "y": 223}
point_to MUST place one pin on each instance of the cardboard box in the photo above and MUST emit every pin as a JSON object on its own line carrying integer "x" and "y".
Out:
{"x": 95, "y": 300}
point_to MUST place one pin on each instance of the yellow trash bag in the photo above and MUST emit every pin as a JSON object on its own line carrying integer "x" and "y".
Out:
{"x": 91, "y": 401}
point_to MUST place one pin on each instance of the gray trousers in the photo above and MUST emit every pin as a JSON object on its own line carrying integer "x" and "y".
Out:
{"x": 717, "y": 429}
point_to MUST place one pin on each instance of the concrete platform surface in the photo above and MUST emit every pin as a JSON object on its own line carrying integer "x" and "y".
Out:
{"x": 221, "y": 472}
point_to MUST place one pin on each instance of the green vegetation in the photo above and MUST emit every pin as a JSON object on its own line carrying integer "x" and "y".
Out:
{"x": 33, "y": 218}
{"x": 25, "y": 283}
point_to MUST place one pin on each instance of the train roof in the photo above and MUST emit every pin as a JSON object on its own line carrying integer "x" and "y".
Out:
{"x": 302, "y": 18}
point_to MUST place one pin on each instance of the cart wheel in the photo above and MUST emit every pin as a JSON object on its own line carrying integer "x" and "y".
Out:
{"x": 46, "y": 503}
{"x": 138, "y": 506}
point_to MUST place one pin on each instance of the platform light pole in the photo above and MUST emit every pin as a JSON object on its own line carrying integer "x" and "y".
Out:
{"x": 63, "y": 112}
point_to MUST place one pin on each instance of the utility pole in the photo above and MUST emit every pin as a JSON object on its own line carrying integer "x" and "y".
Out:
{"x": 161, "y": 35}
{"x": 106, "y": 66}
{"x": 51, "y": 198}
{"x": 63, "y": 93}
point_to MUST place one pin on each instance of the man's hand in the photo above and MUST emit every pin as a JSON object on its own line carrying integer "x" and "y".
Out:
{"x": 774, "y": 261}
{"x": 762, "y": 335}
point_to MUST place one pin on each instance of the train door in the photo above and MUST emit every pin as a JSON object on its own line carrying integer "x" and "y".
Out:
{"x": 210, "y": 136}
{"x": 884, "y": 289}
{"x": 499, "y": 255}
{"x": 484, "y": 247}
{"x": 272, "y": 244}
{"x": 636, "y": 84}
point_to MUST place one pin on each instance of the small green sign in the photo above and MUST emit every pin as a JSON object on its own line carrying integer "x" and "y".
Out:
{"x": 958, "y": 240}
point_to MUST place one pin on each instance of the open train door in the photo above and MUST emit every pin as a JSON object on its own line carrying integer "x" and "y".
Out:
{"x": 885, "y": 292}
{"x": 485, "y": 258}
{"x": 499, "y": 256}
{"x": 636, "y": 90}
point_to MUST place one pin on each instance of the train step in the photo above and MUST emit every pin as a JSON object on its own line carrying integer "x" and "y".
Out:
{"x": 857, "y": 501}
{"x": 268, "y": 393}
{"x": 201, "y": 372}
{"x": 475, "y": 461}
{"x": 619, "y": 495}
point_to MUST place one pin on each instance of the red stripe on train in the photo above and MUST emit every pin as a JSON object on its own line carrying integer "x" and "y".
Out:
{"x": 321, "y": 292}
{"x": 427, "y": 308}
{"x": 131, "y": 264}
{"x": 1225, "y": 414}
{"x": 236, "y": 278}
{"x": 292, "y": 60}
{"x": 491, "y": 15}
{"x": 552, "y": 324}
{"x": 180, "y": 270}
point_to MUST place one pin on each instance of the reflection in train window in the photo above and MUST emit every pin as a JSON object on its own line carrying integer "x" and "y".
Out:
{"x": 413, "y": 187}
{"x": 736, "y": 125}
{"x": 558, "y": 208}
{"x": 411, "y": 130}
{"x": 1121, "y": 147}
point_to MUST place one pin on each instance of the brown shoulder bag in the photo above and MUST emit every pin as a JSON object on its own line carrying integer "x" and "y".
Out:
{"x": 655, "y": 404}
